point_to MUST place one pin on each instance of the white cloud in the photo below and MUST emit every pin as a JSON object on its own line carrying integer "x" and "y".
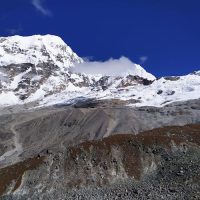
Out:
{"x": 39, "y": 6}
{"x": 88, "y": 58}
{"x": 143, "y": 59}
{"x": 112, "y": 67}
{"x": 14, "y": 31}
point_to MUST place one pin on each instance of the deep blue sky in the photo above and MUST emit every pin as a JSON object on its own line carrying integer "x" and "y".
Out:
{"x": 167, "y": 32}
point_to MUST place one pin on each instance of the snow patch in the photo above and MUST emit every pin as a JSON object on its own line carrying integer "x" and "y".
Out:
{"x": 8, "y": 98}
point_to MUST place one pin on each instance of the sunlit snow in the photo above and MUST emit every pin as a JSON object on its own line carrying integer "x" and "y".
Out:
{"x": 75, "y": 79}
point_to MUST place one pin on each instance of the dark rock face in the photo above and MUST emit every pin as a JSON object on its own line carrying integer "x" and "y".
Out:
{"x": 172, "y": 78}
{"x": 28, "y": 84}
{"x": 131, "y": 80}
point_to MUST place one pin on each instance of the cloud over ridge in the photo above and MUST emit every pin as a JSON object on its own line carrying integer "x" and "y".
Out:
{"x": 39, "y": 6}
{"x": 112, "y": 67}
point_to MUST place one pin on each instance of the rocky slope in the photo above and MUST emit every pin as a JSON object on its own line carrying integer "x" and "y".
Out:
{"x": 61, "y": 144}
{"x": 28, "y": 133}
{"x": 158, "y": 164}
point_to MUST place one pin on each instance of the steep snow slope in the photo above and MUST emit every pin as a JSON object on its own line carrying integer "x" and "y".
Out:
{"x": 36, "y": 49}
{"x": 33, "y": 66}
{"x": 44, "y": 70}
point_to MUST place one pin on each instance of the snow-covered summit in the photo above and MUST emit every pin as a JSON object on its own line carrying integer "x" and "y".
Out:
{"x": 196, "y": 72}
{"x": 43, "y": 70}
{"x": 33, "y": 66}
{"x": 141, "y": 72}
{"x": 36, "y": 49}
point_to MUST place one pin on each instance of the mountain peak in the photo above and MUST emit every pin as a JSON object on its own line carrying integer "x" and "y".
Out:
{"x": 44, "y": 70}
{"x": 36, "y": 49}
{"x": 56, "y": 39}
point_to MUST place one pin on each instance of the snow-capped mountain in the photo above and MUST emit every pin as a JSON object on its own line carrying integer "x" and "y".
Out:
{"x": 35, "y": 50}
{"x": 33, "y": 66}
{"x": 44, "y": 70}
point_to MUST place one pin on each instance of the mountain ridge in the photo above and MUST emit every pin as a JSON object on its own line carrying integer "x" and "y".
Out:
{"x": 42, "y": 70}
